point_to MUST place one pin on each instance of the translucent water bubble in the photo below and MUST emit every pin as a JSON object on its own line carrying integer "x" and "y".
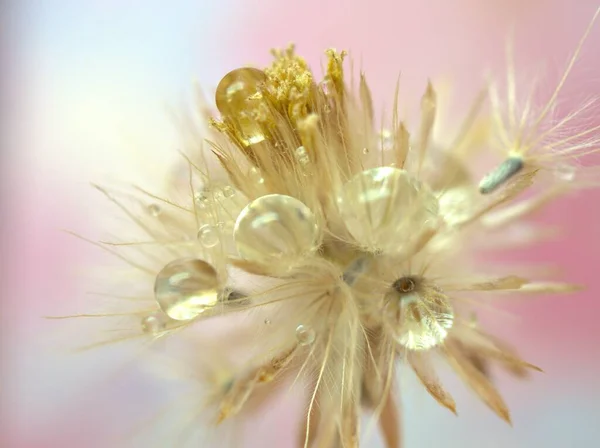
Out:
{"x": 228, "y": 191}
{"x": 305, "y": 335}
{"x": 208, "y": 235}
{"x": 302, "y": 155}
{"x": 186, "y": 288}
{"x": 153, "y": 323}
{"x": 154, "y": 209}
{"x": 419, "y": 316}
{"x": 276, "y": 229}
{"x": 565, "y": 172}
{"x": 238, "y": 95}
{"x": 386, "y": 209}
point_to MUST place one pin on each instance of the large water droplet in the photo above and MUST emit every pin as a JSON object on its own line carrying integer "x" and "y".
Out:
{"x": 185, "y": 288}
{"x": 386, "y": 209}
{"x": 305, "y": 335}
{"x": 276, "y": 229}
{"x": 237, "y": 96}
{"x": 419, "y": 319}
{"x": 208, "y": 235}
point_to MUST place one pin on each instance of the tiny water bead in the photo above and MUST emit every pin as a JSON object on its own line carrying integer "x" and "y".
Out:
{"x": 276, "y": 229}
{"x": 153, "y": 323}
{"x": 565, "y": 172}
{"x": 302, "y": 155}
{"x": 208, "y": 235}
{"x": 255, "y": 176}
{"x": 154, "y": 209}
{"x": 305, "y": 335}
{"x": 237, "y": 97}
{"x": 228, "y": 191}
{"x": 419, "y": 315}
{"x": 385, "y": 207}
{"x": 185, "y": 288}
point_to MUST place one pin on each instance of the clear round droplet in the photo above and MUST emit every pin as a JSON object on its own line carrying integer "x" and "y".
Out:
{"x": 457, "y": 204}
{"x": 237, "y": 97}
{"x": 256, "y": 176}
{"x": 305, "y": 335}
{"x": 419, "y": 320}
{"x": 208, "y": 235}
{"x": 365, "y": 151}
{"x": 228, "y": 191}
{"x": 302, "y": 155}
{"x": 186, "y": 288}
{"x": 386, "y": 209}
{"x": 565, "y": 172}
{"x": 267, "y": 321}
{"x": 276, "y": 229}
{"x": 154, "y": 209}
{"x": 153, "y": 323}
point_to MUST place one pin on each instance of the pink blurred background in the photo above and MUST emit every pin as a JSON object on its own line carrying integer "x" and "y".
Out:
{"x": 85, "y": 85}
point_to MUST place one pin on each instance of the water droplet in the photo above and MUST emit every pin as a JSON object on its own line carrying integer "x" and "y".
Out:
{"x": 386, "y": 209}
{"x": 419, "y": 318}
{"x": 256, "y": 176}
{"x": 267, "y": 321}
{"x": 208, "y": 235}
{"x": 302, "y": 155}
{"x": 457, "y": 204}
{"x": 276, "y": 229}
{"x": 237, "y": 97}
{"x": 365, "y": 151}
{"x": 305, "y": 335}
{"x": 185, "y": 288}
{"x": 154, "y": 323}
{"x": 565, "y": 172}
{"x": 228, "y": 191}
{"x": 154, "y": 209}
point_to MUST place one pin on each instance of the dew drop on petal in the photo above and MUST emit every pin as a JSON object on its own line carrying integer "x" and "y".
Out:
{"x": 185, "y": 288}
{"x": 255, "y": 176}
{"x": 267, "y": 321}
{"x": 385, "y": 208}
{"x": 276, "y": 229}
{"x": 305, "y": 335}
{"x": 302, "y": 155}
{"x": 208, "y": 235}
{"x": 565, "y": 172}
{"x": 154, "y": 209}
{"x": 153, "y": 323}
{"x": 228, "y": 191}
{"x": 365, "y": 151}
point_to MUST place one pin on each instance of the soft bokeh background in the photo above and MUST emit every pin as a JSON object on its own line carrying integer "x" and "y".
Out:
{"x": 85, "y": 85}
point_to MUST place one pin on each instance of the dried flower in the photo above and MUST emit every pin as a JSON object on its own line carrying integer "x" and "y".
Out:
{"x": 356, "y": 247}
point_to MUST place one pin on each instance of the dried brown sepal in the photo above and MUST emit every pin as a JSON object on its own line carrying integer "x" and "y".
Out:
{"x": 510, "y": 282}
{"x": 476, "y": 380}
{"x": 242, "y": 387}
{"x": 427, "y": 376}
{"x": 390, "y": 423}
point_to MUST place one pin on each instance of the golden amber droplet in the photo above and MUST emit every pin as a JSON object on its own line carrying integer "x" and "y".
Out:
{"x": 276, "y": 229}
{"x": 238, "y": 98}
{"x": 185, "y": 288}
